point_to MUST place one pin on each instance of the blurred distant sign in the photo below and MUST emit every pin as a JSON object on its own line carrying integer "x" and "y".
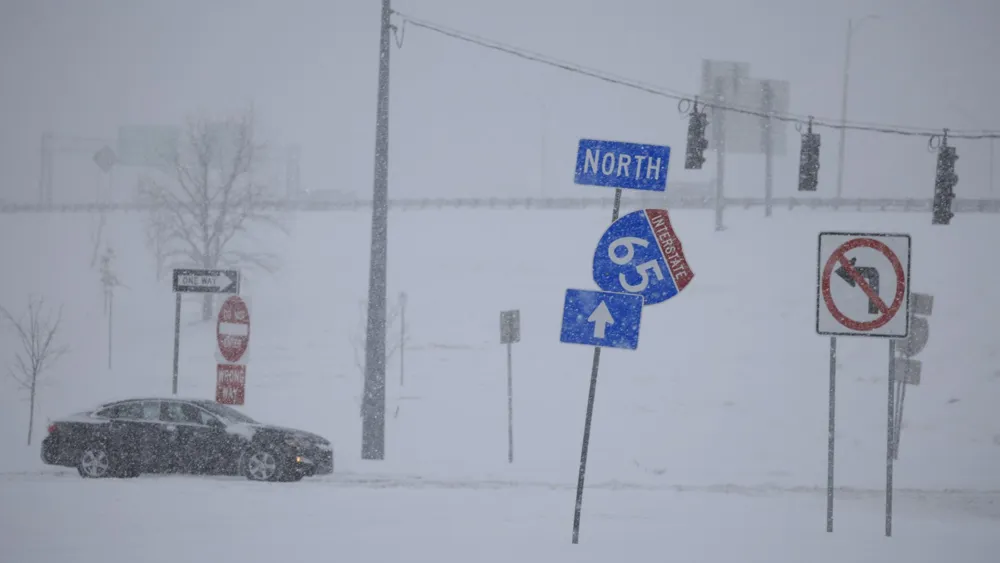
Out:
{"x": 510, "y": 326}
{"x": 730, "y": 74}
{"x": 745, "y": 133}
{"x": 615, "y": 164}
{"x": 148, "y": 146}
{"x": 105, "y": 159}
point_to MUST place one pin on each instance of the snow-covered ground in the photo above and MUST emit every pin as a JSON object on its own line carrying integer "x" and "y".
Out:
{"x": 726, "y": 393}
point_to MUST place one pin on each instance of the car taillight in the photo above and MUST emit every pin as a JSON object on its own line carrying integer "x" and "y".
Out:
{"x": 52, "y": 429}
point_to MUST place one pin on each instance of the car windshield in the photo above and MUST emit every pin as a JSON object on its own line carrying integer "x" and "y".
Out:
{"x": 226, "y": 413}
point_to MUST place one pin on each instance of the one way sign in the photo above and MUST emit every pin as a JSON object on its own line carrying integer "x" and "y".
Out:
{"x": 206, "y": 281}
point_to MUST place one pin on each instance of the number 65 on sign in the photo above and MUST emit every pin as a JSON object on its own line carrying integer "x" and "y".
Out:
{"x": 641, "y": 254}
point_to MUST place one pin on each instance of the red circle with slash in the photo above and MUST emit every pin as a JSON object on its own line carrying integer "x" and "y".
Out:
{"x": 839, "y": 257}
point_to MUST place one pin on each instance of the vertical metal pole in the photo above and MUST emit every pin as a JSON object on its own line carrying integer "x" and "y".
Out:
{"x": 590, "y": 410}
{"x": 889, "y": 435}
{"x": 373, "y": 406}
{"x": 831, "y": 434}
{"x": 510, "y": 405}
{"x": 901, "y": 390}
{"x": 992, "y": 153}
{"x": 719, "y": 133}
{"x": 768, "y": 140}
{"x": 111, "y": 314}
{"x": 843, "y": 109}
{"x": 402, "y": 338}
{"x": 177, "y": 338}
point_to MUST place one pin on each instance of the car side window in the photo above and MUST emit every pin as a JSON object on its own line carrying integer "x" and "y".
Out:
{"x": 205, "y": 418}
{"x": 122, "y": 410}
{"x": 150, "y": 410}
{"x": 182, "y": 412}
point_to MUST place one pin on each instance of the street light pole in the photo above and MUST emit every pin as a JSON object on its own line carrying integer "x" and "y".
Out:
{"x": 852, "y": 26}
{"x": 373, "y": 402}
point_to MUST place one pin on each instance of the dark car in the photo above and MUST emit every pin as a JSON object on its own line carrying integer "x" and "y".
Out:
{"x": 127, "y": 438}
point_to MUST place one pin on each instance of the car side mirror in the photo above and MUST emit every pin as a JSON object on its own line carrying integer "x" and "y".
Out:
{"x": 216, "y": 423}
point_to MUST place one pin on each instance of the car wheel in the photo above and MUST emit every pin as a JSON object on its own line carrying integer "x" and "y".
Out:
{"x": 94, "y": 463}
{"x": 261, "y": 465}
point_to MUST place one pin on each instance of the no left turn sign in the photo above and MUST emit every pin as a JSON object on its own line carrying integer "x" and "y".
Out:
{"x": 863, "y": 284}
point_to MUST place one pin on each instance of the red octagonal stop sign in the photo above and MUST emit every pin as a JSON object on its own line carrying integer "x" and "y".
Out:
{"x": 233, "y": 329}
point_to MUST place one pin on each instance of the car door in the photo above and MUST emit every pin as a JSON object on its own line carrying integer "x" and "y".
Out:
{"x": 137, "y": 434}
{"x": 194, "y": 444}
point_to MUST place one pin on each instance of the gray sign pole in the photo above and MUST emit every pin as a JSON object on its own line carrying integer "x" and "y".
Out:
{"x": 768, "y": 141}
{"x": 831, "y": 434}
{"x": 719, "y": 132}
{"x": 590, "y": 410}
{"x": 889, "y": 439}
{"x": 111, "y": 315}
{"x": 373, "y": 402}
{"x": 177, "y": 338}
{"x": 510, "y": 405}
{"x": 402, "y": 337}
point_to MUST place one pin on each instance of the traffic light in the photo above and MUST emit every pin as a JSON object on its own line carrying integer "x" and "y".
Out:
{"x": 696, "y": 141}
{"x": 944, "y": 185}
{"x": 809, "y": 161}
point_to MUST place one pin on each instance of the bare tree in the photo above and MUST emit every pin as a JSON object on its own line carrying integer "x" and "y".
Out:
{"x": 394, "y": 342}
{"x": 202, "y": 218}
{"x": 38, "y": 352}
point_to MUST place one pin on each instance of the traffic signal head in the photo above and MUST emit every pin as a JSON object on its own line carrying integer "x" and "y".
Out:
{"x": 809, "y": 162}
{"x": 944, "y": 186}
{"x": 696, "y": 142}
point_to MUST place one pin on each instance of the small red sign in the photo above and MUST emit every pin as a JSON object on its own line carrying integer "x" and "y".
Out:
{"x": 230, "y": 384}
{"x": 233, "y": 329}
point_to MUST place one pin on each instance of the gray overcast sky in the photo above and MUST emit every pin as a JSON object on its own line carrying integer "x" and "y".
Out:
{"x": 466, "y": 120}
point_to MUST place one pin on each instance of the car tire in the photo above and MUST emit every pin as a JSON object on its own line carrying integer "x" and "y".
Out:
{"x": 95, "y": 462}
{"x": 262, "y": 465}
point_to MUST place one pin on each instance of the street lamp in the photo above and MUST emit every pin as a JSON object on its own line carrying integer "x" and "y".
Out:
{"x": 852, "y": 26}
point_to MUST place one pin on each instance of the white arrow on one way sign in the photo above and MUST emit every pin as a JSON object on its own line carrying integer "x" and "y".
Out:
{"x": 601, "y": 317}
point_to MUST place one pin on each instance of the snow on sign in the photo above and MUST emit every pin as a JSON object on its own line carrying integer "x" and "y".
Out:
{"x": 641, "y": 254}
{"x": 233, "y": 331}
{"x": 863, "y": 285}
{"x": 230, "y": 384}
{"x": 615, "y": 164}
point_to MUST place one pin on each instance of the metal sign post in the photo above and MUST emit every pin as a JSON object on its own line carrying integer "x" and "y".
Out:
{"x": 198, "y": 281}
{"x": 638, "y": 261}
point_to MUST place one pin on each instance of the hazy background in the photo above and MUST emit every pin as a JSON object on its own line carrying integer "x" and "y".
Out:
{"x": 470, "y": 121}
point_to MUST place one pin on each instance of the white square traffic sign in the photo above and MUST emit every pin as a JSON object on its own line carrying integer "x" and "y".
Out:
{"x": 863, "y": 285}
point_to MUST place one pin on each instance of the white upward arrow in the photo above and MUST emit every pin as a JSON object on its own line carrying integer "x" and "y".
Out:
{"x": 223, "y": 281}
{"x": 601, "y": 317}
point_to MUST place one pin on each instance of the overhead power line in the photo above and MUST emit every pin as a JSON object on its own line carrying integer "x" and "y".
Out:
{"x": 683, "y": 98}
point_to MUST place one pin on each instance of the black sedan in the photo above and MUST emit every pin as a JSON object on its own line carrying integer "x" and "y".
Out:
{"x": 127, "y": 438}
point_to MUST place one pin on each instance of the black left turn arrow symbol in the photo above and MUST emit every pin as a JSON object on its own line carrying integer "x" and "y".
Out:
{"x": 869, "y": 274}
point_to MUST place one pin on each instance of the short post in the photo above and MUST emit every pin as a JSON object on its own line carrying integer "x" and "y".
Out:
{"x": 510, "y": 332}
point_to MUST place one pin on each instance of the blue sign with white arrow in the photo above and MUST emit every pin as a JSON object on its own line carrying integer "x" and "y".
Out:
{"x": 641, "y": 254}
{"x": 615, "y": 164}
{"x": 601, "y": 318}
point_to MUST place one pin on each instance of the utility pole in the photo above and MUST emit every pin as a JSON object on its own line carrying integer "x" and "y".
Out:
{"x": 852, "y": 26}
{"x": 373, "y": 405}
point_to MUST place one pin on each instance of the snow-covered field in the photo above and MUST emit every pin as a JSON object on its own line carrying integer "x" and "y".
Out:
{"x": 709, "y": 441}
